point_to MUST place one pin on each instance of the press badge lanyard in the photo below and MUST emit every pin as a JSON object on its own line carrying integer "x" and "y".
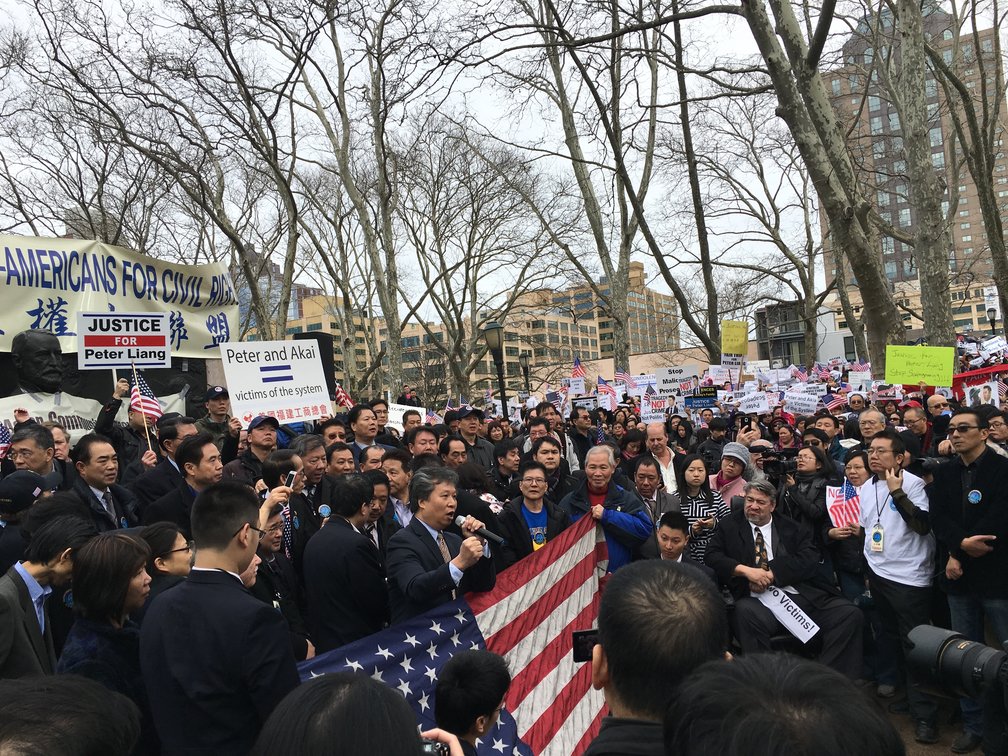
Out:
{"x": 877, "y": 533}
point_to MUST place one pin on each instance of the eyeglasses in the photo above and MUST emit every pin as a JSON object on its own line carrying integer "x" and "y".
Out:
{"x": 962, "y": 428}
{"x": 188, "y": 548}
{"x": 262, "y": 533}
{"x": 537, "y": 481}
{"x": 876, "y": 451}
{"x": 996, "y": 424}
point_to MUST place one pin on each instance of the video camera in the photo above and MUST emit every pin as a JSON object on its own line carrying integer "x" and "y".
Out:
{"x": 780, "y": 463}
{"x": 962, "y": 666}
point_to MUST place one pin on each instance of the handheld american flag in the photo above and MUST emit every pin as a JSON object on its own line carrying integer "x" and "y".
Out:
{"x": 142, "y": 399}
{"x": 5, "y": 439}
{"x": 527, "y": 618}
{"x": 578, "y": 370}
{"x": 843, "y": 504}
{"x": 624, "y": 377}
{"x": 342, "y": 397}
{"x": 604, "y": 387}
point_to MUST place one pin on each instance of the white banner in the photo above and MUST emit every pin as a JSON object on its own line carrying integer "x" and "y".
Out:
{"x": 75, "y": 413}
{"x": 668, "y": 379}
{"x": 788, "y": 613}
{"x": 109, "y": 340}
{"x": 47, "y": 281}
{"x": 801, "y": 403}
{"x": 754, "y": 403}
{"x": 720, "y": 374}
{"x": 577, "y": 387}
{"x": 282, "y": 379}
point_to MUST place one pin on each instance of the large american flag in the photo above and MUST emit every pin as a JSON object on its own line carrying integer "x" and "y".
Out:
{"x": 834, "y": 402}
{"x": 843, "y": 504}
{"x": 624, "y": 377}
{"x": 527, "y": 618}
{"x": 5, "y": 437}
{"x": 578, "y": 370}
{"x": 142, "y": 399}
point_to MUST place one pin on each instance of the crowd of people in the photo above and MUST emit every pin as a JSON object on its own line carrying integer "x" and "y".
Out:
{"x": 187, "y": 564}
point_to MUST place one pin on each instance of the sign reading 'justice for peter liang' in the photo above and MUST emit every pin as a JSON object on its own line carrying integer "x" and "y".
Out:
{"x": 283, "y": 379}
{"x": 109, "y": 340}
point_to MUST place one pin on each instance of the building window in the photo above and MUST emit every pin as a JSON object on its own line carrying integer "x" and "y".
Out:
{"x": 836, "y": 87}
{"x": 875, "y": 124}
{"x": 935, "y": 136}
{"x": 874, "y": 103}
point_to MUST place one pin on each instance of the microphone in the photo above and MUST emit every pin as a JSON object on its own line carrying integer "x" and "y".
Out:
{"x": 482, "y": 532}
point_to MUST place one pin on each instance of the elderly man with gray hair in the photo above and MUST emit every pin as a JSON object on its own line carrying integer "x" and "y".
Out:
{"x": 753, "y": 552}
{"x": 622, "y": 514}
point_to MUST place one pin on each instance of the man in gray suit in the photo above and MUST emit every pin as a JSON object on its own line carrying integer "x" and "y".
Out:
{"x": 26, "y": 644}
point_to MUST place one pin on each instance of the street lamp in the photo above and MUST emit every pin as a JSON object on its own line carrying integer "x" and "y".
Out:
{"x": 493, "y": 334}
{"x": 523, "y": 360}
{"x": 992, "y": 318}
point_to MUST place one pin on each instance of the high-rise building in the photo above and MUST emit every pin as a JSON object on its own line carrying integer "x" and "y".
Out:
{"x": 872, "y": 123}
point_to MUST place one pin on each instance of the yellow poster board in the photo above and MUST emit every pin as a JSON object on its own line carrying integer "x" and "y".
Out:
{"x": 734, "y": 337}
{"x": 916, "y": 364}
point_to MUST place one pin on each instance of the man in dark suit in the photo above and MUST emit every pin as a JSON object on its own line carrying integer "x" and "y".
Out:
{"x": 752, "y": 550}
{"x": 215, "y": 659}
{"x": 671, "y": 540}
{"x": 200, "y": 461}
{"x": 364, "y": 424}
{"x": 344, "y": 578}
{"x": 377, "y": 527}
{"x": 428, "y": 566}
{"x": 26, "y": 640}
{"x": 112, "y": 506}
{"x": 167, "y": 475}
{"x": 648, "y": 484}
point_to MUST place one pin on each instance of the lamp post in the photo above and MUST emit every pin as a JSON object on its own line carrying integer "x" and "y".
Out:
{"x": 493, "y": 334}
{"x": 992, "y": 318}
{"x": 523, "y": 360}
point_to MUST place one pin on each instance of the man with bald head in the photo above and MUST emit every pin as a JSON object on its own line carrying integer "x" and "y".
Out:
{"x": 657, "y": 444}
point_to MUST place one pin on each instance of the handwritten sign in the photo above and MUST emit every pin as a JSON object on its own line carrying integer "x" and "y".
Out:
{"x": 577, "y": 387}
{"x": 756, "y": 403}
{"x": 734, "y": 336}
{"x": 801, "y": 403}
{"x": 916, "y": 364}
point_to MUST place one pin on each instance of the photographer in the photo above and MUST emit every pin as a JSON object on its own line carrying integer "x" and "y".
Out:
{"x": 804, "y": 499}
{"x": 969, "y": 515}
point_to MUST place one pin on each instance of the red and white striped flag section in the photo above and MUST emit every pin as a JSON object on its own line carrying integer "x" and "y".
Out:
{"x": 834, "y": 402}
{"x": 578, "y": 370}
{"x": 342, "y": 397}
{"x": 624, "y": 377}
{"x": 142, "y": 399}
{"x": 843, "y": 504}
{"x": 604, "y": 387}
{"x": 433, "y": 418}
{"x": 527, "y": 618}
{"x": 1002, "y": 387}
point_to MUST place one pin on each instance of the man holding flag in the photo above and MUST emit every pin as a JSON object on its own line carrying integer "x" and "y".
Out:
{"x": 137, "y": 442}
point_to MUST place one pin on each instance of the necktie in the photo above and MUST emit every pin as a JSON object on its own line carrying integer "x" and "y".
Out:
{"x": 40, "y": 611}
{"x": 288, "y": 532}
{"x": 109, "y": 507}
{"x": 371, "y": 533}
{"x": 761, "y": 556}
{"x": 444, "y": 553}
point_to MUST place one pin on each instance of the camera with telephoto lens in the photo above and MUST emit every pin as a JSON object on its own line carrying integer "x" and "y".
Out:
{"x": 961, "y": 666}
{"x": 434, "y": 748}
{"x": 927, "y": 465}
{"x": 780, "y": 463}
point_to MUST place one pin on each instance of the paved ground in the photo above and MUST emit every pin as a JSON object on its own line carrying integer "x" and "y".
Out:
{"x": 947, "y": 732}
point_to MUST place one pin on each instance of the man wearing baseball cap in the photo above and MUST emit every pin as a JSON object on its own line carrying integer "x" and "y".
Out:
{"x": 18, "y": 491}
{"x": 262, "y": 437}
{"x": 219, "y": 423}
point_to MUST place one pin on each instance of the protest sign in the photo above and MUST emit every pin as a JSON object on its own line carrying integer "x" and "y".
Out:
{"x": 720, "y": 374}
{"x": 788, "y": 613}
{"x": 395, "y": 414}
{"x": 734, "y": 336}
{"x": 800, "y": 403}
{"x": 859, "y": 378}
{"x": 994, "y": 344}
{"x": 726, "y": 397}
{"x": 577, "y": 387}
{"x": 109, "y": 340}
{"x": 653, "y": 410}
{"x": 75, "y": 413}
{"x": 588, "y": 402}
{"x": 283, "y": 379}
{"x": 704, "y": 396}
{"x": 46, "y": 281}
{"x": 916, "y": 364}
{"x": 669, "y": 380}
{"x": 754, "y": 403}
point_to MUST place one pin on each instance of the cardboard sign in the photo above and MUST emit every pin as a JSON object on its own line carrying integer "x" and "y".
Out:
{"x": 283, "y": 379}
{"x": 734, "y": 336}
{"x": 108, "y": 340}
{"x": 577, "y": 387}
{"x": 754, "y": 403}
{"x": 788, "y": 613}
{"x": 668, "y": 380}
{"x": 395, "y": 415}
{"x": 720, "y": 374}
{"x": 916, "y": 364}
{"x": 800, "y": 403}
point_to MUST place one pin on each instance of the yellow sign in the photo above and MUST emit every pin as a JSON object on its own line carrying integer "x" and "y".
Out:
{"x": 734, "y": 337}
{"x": 917, "y": 364}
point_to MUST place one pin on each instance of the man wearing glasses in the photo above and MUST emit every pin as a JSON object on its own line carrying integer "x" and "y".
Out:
{"x": 970, "y": 517}
{"x": 215, "y": 659}
{"x": 899, "y": 551}
{"x": 530, "y": 520}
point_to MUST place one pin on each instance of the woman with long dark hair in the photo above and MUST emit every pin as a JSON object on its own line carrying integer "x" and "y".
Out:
{"x": 703, "y": 507}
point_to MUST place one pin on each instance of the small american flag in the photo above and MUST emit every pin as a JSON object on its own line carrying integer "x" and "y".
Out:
{"x": 624, "y": 377}
{"x": 5, "y": 437}
{"x": 833, "y": 402}
{"x": 800, "y": 374}
{"x": 550, "y": 707}
{"x": 1002, "y": 387}
{"x": 555, "y": 398}
{"x": 142, "y": 399}
{"x": 599, "y": 434}
{"x": 433, "y": 418}
{"x": 844, "y": 504}
{"x": 650, "y": 391}
{"x": 860, "y": 366}
{"x": 578, "y": 370}
{"x": 604, "y": 387}
{"x": 342, "y": 397}
{"x": 821, "y": 370}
